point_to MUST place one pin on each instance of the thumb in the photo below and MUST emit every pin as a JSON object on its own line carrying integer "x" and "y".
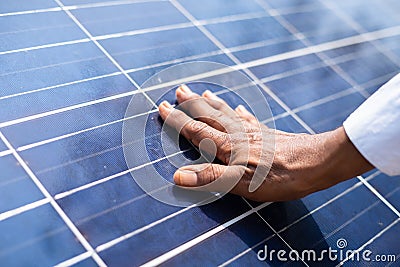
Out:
{"x": 206, "y": 173}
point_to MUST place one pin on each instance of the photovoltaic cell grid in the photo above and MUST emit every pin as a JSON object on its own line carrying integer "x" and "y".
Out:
{"x": 68, "y": 71}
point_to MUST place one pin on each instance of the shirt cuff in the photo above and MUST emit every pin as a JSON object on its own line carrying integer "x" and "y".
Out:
{"x": 374, "y": 128}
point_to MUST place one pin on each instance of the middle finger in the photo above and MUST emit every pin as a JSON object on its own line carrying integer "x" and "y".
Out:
{"x": 199, "y": 108}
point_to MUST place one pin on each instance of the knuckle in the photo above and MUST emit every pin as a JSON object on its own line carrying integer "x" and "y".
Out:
{"x": 208, "y": 175}
{"x": 224, "y": 148}
{"x": 214, "y": 172}
{"x": 196, "y": 126}
{"x": 224, "y": 142}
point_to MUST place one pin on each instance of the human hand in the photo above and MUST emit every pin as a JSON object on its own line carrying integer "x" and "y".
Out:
{"x": 290, "y": 165}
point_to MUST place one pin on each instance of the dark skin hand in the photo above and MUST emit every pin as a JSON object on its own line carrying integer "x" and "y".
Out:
{"x": 297, "y": 165}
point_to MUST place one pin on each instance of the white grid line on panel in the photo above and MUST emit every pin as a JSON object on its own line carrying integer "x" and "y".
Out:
{"x": 54, "y": 204}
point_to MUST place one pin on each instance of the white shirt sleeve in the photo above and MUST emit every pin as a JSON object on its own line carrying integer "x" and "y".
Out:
{"x": 374, "y": 128}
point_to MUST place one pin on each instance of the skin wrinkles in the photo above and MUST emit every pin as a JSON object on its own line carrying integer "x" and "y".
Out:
{"x": 291, "y": 167}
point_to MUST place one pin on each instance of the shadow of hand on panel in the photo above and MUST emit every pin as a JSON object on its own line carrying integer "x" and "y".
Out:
{"x": 256, "y": 234}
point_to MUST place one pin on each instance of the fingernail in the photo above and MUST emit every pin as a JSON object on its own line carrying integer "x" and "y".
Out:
{"x": 241, "y": 108}
{"x": 185, "y": 178}
{"x": 208, "y": 94}
{"x": 185, "y": 88}
{"x": 166, "y": 105}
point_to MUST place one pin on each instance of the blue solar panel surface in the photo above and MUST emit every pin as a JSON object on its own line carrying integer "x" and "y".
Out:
{"x": 68, "y": 71}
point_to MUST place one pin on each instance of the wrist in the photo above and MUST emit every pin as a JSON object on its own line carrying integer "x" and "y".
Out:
{"x": 341, "y": 160}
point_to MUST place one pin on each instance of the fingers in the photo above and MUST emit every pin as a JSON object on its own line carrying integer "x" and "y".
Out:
{"x": 195, "y": 131}
{"x": 215, "y": 178}
{"x": 204, "y": 174}
{"x": 198, "y": 175}
{"x": 203, "y": 109}
{"x": 218, "y": 103}
{"x": 246, "y": 115}
{"x": 210, "y": 95}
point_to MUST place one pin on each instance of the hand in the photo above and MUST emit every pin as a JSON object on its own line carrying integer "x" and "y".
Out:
{"x": 299, "y": 164}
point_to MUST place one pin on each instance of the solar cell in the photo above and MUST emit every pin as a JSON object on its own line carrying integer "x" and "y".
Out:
{"x": 2, "y": 146}
{"x": 27, "y": 6}
{"x": 14, "y": 179}
{"x": 36, "y": 237}
{"x": 28, "y": 30}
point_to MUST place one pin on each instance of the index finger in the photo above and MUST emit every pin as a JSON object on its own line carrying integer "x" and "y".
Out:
{"x": 195, "y": 131}
{"x": 200, "y": 108}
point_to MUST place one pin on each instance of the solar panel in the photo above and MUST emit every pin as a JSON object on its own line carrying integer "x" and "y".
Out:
{"x": 68, "y": 71}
